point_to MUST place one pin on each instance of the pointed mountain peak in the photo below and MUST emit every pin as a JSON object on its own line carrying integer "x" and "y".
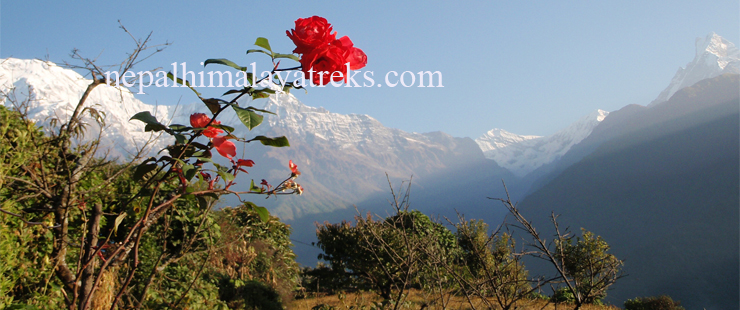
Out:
{"x": 715, "y": 56}
{"x": 718, "y": 46}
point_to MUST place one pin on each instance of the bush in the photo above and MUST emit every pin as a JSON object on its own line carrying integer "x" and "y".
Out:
{"x": 653, "y": 303}
{"x": 563, "y": 294}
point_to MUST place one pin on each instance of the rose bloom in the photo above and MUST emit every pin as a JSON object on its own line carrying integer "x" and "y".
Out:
{"x": 332, "y": 58}
{"x": 310, "y": 33}
{"x": 200, "y": 120}
{"x": 327, "y": 59}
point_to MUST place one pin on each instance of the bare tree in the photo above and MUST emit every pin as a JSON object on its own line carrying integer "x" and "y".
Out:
{"x": 584, "y": 268}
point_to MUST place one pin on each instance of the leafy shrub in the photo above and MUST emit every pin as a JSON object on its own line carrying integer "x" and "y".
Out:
{"x": 589, "y": 264}
{"x": 563, "y": 294}
{"x": 375, "y": 254}
{"x": 653, "y": 303}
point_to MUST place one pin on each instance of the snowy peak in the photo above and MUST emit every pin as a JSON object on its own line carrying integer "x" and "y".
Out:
{"x": 523, "y": 154}
{"x": 53, "y": 92}
{"x": 717, "y": 46}
{"x": 346, "y": 132}
{"x": 300, "y": 119}
{"x": 714, "y": 56}
{"x": 498, "y": 139}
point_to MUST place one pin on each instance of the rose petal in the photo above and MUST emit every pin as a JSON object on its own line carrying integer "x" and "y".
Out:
{"x": 224, "y": 147}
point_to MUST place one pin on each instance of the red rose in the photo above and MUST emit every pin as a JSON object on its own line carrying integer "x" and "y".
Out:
{"x": 200, "y": 120}
{"x": 332, "y": 58}
{"x": 328, "y": 59}
{"x": 310, "y": 33}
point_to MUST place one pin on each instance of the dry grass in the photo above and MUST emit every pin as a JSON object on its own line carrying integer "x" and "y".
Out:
{"x": 416, "y": 300}
{"x": 103, "y": 296}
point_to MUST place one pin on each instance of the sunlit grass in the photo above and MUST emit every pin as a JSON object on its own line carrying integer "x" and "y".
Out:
{"x": 416, "y": 300}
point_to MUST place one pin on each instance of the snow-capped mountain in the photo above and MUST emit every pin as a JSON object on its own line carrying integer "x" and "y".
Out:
{"x": 498, "y": 138}
{"x": 714, "y": 56}
{"x": 523, "y": 154}
{"x": 53, "y": 92}
{"x": 343, "y": 158}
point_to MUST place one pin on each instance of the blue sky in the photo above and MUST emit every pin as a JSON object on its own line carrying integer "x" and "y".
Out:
{"x": 524, "y": 66}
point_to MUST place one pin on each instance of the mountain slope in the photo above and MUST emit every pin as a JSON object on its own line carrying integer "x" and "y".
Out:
{"x": 347, "y": 157}
{"x": 664, "y": 195}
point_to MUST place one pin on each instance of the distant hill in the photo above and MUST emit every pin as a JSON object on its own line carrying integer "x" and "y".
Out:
{"x": 662, "y": 189}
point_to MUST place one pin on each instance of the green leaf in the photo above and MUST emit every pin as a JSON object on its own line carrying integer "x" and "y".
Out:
{"x": 202, "y": 202}
{"x": 288, "y": 56}
{"x": 143, "y": 169}
{"x": 258, "y": 51}
{"x": 263, "y": 213}
{"x": 224, "y": 127}
{"x": 181, "y": 151}
{"x": 263, "y": 43}
{"x": 228, "y": 177}
{"x": 189, "y": 171}
{"x": 235, "y": 91}
{"x": 180, "y": 139}
{"x": 248, "y": 117}
{"x": 254, "y": 188}
{"x": 181, "y": 82}
{"x": 204, "y": 159}
{"x": 154, "y": 127}
{"x": 178, "y": 127}
{"x": 145, "y": 117}
{"x": 260, "y": 95}
{"x": 117, "y": 222}
{"x": 276, "y": 142}
{"x": 260, "y": 110}
{"x": 199, "y": 145}
{"x": 213, "y": 104}
{"x": 151, "y": 122}
{"x": 225, "y": 62}
{"x": 220, "y": 167}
